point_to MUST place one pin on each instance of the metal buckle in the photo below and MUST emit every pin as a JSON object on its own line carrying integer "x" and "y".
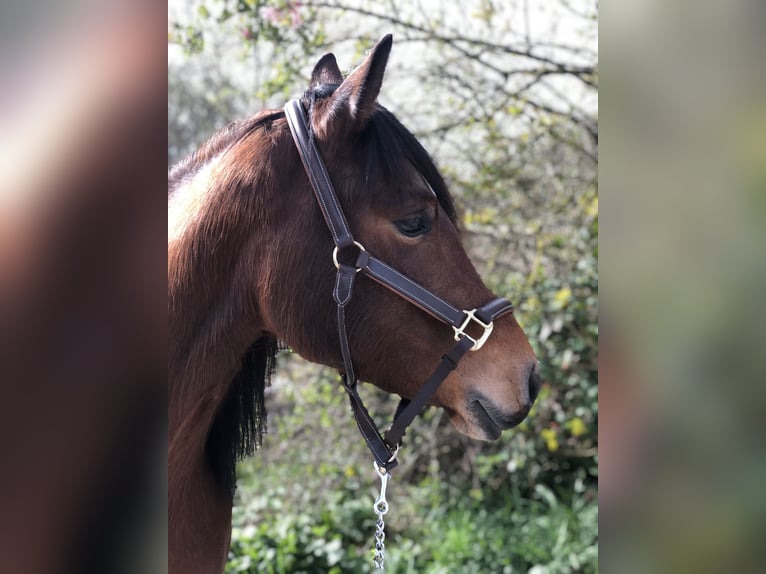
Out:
{"x": 460, "y": 331}
{"x": 335, "y": 254}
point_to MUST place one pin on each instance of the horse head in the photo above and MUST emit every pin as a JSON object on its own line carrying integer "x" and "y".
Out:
{"x": 399, "y": 208}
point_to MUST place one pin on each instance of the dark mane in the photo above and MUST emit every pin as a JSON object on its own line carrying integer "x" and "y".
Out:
{"x": 221, "y": 140}
{"x": 241, "y": 421}
{"x": 391, "y": 144}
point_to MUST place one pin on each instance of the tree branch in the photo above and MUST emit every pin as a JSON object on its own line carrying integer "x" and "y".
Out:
{"x": 583, "y": 73}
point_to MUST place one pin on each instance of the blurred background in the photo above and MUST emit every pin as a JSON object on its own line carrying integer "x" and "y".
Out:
{"x": 82, "y": 287}
{"x": 683, "y": 270}
{"x": 504, "y": 96}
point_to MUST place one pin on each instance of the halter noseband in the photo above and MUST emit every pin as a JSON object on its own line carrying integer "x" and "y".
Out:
{"x": 384, "y": 448}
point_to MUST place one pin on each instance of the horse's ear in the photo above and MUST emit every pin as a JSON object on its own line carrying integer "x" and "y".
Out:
{"x": 360, "y": 89}
{"x": 326, "y": 72}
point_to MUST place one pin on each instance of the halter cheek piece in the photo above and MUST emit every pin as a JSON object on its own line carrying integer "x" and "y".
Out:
{"x": 384, "y": 448}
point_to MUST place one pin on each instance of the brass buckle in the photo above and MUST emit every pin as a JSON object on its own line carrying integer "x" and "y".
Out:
{"x": 335, "y": 254}
{"x": 477, "y": 343}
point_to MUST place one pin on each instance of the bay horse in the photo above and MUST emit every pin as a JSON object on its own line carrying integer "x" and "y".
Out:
{"x": 250, "y": 265}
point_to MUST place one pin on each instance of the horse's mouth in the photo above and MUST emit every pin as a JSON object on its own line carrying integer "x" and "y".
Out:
{"x": 489, "y": 427}
{"x": 491, "y": 420}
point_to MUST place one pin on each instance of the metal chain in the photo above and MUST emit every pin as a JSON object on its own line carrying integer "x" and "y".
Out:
{"x": 380, "y": 546}
{"x": 380, "y": 507}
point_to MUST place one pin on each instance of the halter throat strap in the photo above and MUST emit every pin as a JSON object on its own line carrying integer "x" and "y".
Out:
{"x": 384, "y": 447}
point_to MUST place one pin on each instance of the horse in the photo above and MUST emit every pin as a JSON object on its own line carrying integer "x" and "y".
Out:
{"x": 250, "y": 268}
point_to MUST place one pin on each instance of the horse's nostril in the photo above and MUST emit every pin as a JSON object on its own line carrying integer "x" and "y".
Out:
{"x": 533, "y": 384}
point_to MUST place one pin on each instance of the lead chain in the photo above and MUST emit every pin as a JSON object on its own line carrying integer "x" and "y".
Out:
{"x": 380, "y": 546}
{"x": 380, "y": 507}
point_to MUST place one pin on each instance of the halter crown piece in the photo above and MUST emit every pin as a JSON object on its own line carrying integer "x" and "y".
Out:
{"x": 384, "y": 447}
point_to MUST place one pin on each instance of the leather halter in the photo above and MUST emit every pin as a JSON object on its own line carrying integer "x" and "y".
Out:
{"x": 384, "y": 448}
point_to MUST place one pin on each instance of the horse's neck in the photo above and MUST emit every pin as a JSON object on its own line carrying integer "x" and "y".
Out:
{"x": 209, "y": 332}
{"x": 211, "y": 322}
{"x": 215, "y": 247}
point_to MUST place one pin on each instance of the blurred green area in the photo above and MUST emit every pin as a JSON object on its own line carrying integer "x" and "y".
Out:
{"x": 684, "y": 272}
{"x": 508, "y": 108}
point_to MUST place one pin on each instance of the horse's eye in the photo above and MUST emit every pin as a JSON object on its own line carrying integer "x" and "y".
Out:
{"x": 414, "y": 226}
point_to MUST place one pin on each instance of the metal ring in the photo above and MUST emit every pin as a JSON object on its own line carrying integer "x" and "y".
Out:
{"x": 335, "y": 254}
{"x": 393, "y": 456}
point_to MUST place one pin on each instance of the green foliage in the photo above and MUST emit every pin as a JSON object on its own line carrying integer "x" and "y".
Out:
{"x": 453, "y": 533}
{"x": 561, "y": 320}
{"x": 299, "y": 542}
{"x": 190, "y": 38}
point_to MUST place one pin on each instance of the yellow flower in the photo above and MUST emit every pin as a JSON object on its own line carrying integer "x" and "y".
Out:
{"x": 562, "y": 297}
{"x": 577, "y": 427}
{"x": 549, "y": 436}
{"x": 592, "y": 207}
